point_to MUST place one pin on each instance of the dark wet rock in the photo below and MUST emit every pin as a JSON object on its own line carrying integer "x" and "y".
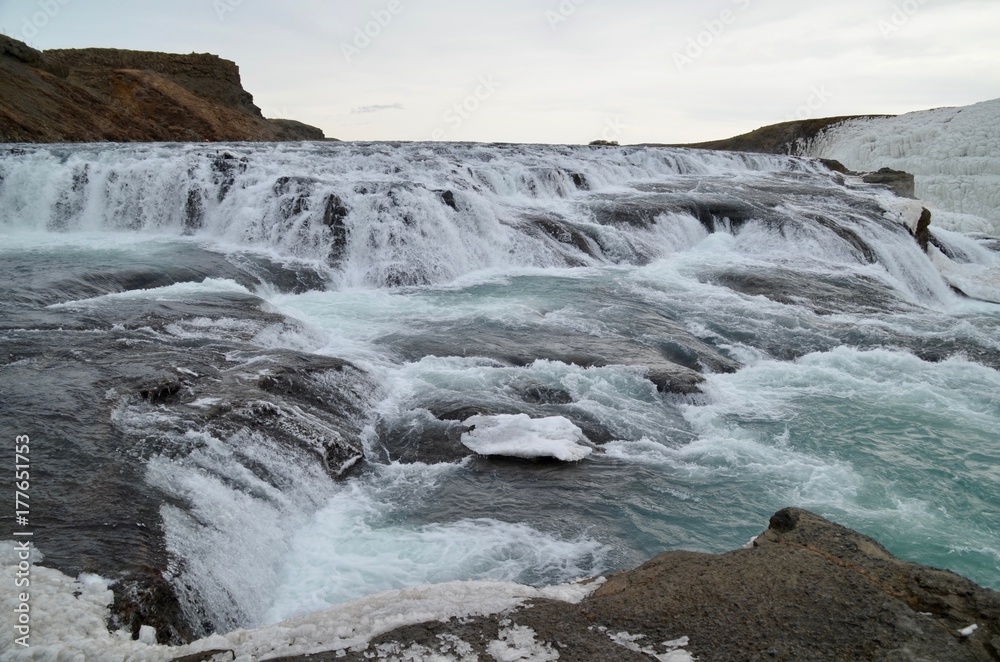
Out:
{"x": 144, "y": 597}
{"x": 901, "y": 183}
{"x": 161, "y": 393}
{"x": 806, "y": 589}
{"x": 334, "y": 214}
{"x": 565, "y": 233}
{"x": 543, "y": 395}
{"x": 836, "y": 166}
{"x": 823, "y": 295}
{"x": 71, "y": 200}
{"x": 923, "y": 232}
{"x": 296, "y": 190}
{"x": 225, "y": 167}
{"x": 460, "y": 411}
{"x": 194, "y": 210}
{"x": 448, "y": 198}
{"x": 673, "y": 381}
{"x": 297, "y": 380}
{"x": 522, "y": 348}
{"x": 643, "y": 210}
{"x": 580, "y": 181}
{"x": 286, "y": 277}
{"x": 425, "y": 440}
{"x": 214, "y": 655}
{"x": 849, "y": 237}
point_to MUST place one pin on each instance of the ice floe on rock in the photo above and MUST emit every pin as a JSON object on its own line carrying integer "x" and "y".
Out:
{"x": 518, "y": 435}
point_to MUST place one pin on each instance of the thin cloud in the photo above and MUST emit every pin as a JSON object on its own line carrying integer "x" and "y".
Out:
{"x": 376, "y": 108}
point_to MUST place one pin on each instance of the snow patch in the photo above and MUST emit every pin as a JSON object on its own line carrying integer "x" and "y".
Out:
{"x": 672, "y": 649}
{"x": 518, "y": 435}
{"x": 69, "y": 619}
{"x": 519, "y": 643}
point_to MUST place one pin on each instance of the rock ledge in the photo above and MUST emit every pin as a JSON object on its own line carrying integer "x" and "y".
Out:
{"x": 805, "y": 589}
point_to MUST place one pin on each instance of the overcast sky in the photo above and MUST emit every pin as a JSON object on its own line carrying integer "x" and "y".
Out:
{"x": 557, "y": 71}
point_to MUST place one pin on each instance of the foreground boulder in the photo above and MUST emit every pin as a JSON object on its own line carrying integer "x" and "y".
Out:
{"x": 806, "y": 589}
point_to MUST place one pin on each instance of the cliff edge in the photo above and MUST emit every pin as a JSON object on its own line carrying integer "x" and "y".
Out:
{"x": 102, "y": 94}
{"x": 785, "y": 138}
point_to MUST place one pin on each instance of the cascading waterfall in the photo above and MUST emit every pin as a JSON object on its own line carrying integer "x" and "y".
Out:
{"x": 278, "y": 348}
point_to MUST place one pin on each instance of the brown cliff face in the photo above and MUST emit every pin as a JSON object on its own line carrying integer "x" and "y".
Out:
{"x": 96, "y": 94}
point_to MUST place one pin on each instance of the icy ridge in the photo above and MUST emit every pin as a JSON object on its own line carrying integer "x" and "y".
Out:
{"x": 953, "y": 153}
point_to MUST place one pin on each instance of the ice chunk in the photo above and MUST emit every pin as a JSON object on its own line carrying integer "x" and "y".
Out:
{"x": 519, "y": 643}
{"x": 518, "y": 435}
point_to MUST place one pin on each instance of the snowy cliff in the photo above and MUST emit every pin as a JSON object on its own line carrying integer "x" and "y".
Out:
{"x": 954, "y": 154}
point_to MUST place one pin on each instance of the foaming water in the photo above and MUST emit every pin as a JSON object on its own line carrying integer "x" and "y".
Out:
{"x": 366, "y": 540}
{"x": 899, "y": 447}
{"x": 725, "y": 334}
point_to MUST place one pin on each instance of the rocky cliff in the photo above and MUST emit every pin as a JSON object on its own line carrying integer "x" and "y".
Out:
{"x": 97, "y": 94}
{"x": 785, "y": 138}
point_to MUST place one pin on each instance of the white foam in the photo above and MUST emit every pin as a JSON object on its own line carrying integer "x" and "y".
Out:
{"x": 519, "y": 435}
{"x": 399, "y": 229}
{"x": 361, "y": 543}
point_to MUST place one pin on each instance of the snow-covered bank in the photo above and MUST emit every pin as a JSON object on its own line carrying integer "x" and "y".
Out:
{"x": 849, "y": 599}
{"x": 954, "y": 154}
{"x": 68, "y": 618}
